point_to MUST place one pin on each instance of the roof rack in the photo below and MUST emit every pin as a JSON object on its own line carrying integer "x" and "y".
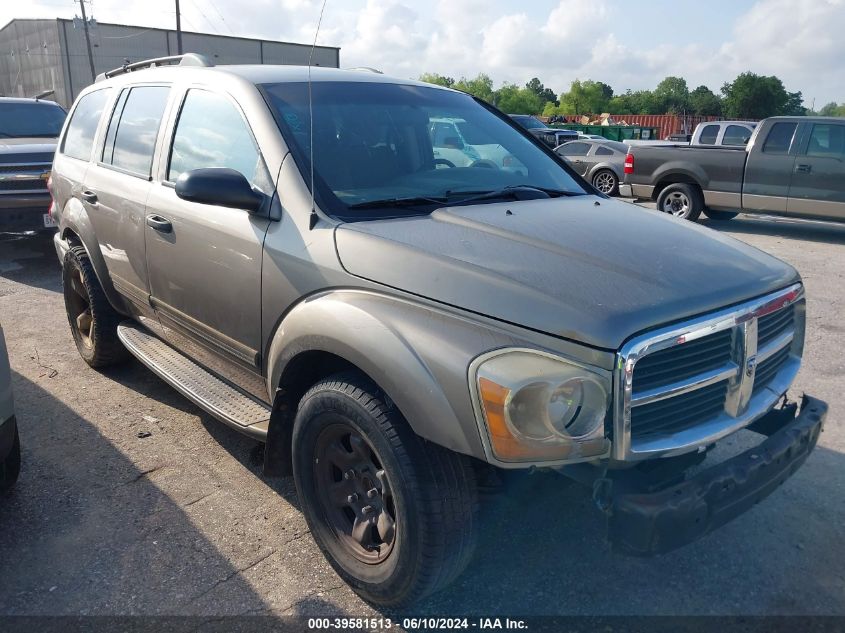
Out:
{"x": 366, "y": 69}
{"x": 188, "y": 59}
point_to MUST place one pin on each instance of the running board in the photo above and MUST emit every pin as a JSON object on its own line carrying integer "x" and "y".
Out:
{"x": 212, "y": 394}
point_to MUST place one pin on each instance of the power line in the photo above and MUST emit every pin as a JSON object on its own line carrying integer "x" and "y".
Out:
{"x": 222, "y": 19}
{"x": 210, "y": 23}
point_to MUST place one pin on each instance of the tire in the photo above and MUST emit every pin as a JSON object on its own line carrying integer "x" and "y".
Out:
{"x": 720, "y": 216}
{"x": 93, "y": 321}
{"x": 681, "y": 200}
{"x": 10, "y": 467}
{"x": 607, "y": 182}
{"x": 425, "y": 492}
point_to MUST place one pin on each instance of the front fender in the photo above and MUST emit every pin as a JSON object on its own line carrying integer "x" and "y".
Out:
{"x": 74, "y": 220}
{"x": 417, "y": 354}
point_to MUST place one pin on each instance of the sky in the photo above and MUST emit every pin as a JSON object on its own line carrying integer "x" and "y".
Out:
{"x": 629, "y": 44}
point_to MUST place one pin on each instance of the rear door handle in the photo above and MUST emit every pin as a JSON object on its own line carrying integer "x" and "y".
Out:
{"x": 89, "y": 196}
{"x": 160, "y": 224}
{"x": 806, "y": 169}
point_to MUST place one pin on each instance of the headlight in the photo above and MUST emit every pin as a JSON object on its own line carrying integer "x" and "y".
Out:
{"x": 538, "y": 407}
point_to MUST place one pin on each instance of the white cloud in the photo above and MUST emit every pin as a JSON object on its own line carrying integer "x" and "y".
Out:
{"x": 798, "y": 40}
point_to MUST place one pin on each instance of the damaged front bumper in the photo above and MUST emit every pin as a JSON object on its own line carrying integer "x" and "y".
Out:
{"x": 645, "y": 522}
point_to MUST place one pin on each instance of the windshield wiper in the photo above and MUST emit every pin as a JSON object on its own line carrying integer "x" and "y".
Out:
{"x": 398, "y": 202}
{"x": 517, "y": 192}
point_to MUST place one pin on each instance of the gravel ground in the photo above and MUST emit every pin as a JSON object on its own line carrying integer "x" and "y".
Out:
{"x": 133, "y": 501}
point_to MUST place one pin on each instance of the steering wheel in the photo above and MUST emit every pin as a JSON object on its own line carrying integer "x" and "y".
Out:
{"x": 444, "y": 162}
{"x": 484, "y": 163}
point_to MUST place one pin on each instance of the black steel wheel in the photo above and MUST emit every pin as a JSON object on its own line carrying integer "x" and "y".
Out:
{"x": 354, "y": 492}
{"x": 394, "y": 515}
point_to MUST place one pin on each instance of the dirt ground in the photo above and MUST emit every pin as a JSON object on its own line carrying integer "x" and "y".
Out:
{"x": 133, "y": 501}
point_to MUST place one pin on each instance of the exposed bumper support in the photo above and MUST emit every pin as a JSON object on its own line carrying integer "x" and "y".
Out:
{"x": 645, "y": 523}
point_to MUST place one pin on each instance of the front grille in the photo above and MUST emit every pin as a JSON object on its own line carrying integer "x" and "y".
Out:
{"x": 681, "y": 412}
{"x": 23, "y": 185}
{"x": 16, "y": 169}
{"x": 773, "y": 325}
{"x": 683, "y": 361}
{"x": 706, "y": 377}
{"x": 769, "y": 368}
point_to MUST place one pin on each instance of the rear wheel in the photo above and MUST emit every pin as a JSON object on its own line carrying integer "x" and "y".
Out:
{"x": 720, "y": 216}
{"x": 93, "y": 321}
{"x": 606, "y": 181}
{"x": 394, "y": 515}
{"x": 681, "y": 200}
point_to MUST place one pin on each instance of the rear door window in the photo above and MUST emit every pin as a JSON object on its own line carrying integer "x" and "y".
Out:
{"x": 604, "y": 151}
{"x": 79, "y": 138}
{"x": 827, "y": 141}
{"x": 736, "y": 135}
{"x": 211, "y": 132}
{"x": 133, "y": 129}
{"x": 709, "y": 134}
{"x": 779, "y": 138}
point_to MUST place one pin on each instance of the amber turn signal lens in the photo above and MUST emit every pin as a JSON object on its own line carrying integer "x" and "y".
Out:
{"x": 505, "y": 445}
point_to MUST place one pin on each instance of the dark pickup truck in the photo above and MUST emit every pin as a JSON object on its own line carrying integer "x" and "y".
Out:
{"x": 28, "y": 131}
{"x": 793, "y": 166}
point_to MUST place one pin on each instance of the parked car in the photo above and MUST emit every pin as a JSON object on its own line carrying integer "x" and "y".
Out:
{"x": 458, "y": 143}
{"x": 393, "y": 330}
{"x": 736, "y": 133}
{"x": 10, "y": 444}
{"x": 601, "y": 163}
{"x": 590, "y": 137}
{"x": 549, "y": 135}
{"x": 28, "y": 131}
{"x": 793, "y": 166}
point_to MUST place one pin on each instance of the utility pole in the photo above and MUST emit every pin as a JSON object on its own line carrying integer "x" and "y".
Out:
{"x": 87, "y": 40}
{"x": 178, "y": 28}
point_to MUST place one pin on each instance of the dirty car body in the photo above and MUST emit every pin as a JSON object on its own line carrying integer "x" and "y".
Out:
{"x": 496, "y": 318}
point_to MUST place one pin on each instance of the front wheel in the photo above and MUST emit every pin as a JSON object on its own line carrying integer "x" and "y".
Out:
{"x": 606, "y": 181}
{"x": 681, "y": 200}
{"x": 720, "y": 216}
{"x": 394, "y": 515}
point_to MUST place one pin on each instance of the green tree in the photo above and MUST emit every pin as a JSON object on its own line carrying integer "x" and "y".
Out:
{"x": 440, "y": 80}
{"x": 672, "y": 95}
{"x": 636, "y": 102}
{"x": 515, "y": 100}
{"x": 751, "y": 96}
{"x": 544, "y": 94}
{"x": 586, "y": 97}
{"x": 705, "y": 102}
{"x": 481, "y": 87}
{"x": 832, "y": 109}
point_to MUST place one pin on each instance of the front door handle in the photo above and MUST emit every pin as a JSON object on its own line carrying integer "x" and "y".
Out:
{"x": 805, "y": 169}
{"x": 89, "y": 196}
{"x": 160, "y": 224}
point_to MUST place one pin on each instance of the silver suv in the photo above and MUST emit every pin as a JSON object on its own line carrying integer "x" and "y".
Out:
{"x": 292, "y": 257}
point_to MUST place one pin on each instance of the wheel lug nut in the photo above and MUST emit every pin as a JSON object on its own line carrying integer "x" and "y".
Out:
{"x": 372, "y": 493}
{"x": 368, "y": 509}
{"x": 349, "y": 474}
{"x": 352, "y": 498}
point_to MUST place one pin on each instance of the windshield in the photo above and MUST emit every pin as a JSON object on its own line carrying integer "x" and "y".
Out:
{"x": 529, "y": 122}
{"x": 381, "y": 142}
{"x": 32, "y": 119}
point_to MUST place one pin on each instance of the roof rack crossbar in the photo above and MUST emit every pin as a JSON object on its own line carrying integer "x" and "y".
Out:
{"x": 188, "y": 59}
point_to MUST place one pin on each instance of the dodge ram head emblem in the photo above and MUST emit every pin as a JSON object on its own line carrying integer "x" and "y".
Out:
{"x": 750, "y": 365}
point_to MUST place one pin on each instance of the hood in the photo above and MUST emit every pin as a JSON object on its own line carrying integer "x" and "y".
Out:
{"x": 585, "y": 268}
{"x": 34, "y": 150}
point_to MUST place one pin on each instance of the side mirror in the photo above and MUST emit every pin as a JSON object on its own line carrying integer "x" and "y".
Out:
{"x": 219, "y": 186}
